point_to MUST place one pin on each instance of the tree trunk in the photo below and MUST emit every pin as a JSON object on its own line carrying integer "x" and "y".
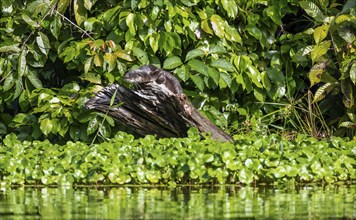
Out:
{"x": 154, "y": 109}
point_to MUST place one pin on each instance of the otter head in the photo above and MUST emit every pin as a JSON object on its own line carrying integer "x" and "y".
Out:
{"x": 144, "y": 74}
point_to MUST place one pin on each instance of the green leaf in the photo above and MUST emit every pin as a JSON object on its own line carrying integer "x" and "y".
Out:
{"x": 316, "y": 72}
{"x": 232, "y": 34}
{"x": 43, "y": 43}
{"x": 46, "y": 126}
{"x": 323, "y": 91}
{"x": 10, "y": 48}
{"x": 312, "y": 10}
{"x": 110, "y": 59}
{"x": 141, "y": 55}
{"x": 225, "y": 79}
{"x": 218, "y": 25}
{"x": 259, "y": 94}
{"x": 320, "y": 33}
{"x": 214, "y": 74}
{"x": 230, "y": 7}
{"x": 206, "y": 28}
{"x": 35, "y": 81}
{"x": 193, "y": 54}
{"x": 320, "y": 50}
{"x": 80, "y": 13}
{"x": 22, "y": 66}
{"x": 93, "y": 126}
{"x": 255, "y": 76}
{"x": 223, "y": 64}
{"x": 172, "y": 62}
{"x": 55, "y": 26}
{"x": 122, "y": 54}
{"x": 198, "y": 81}
{"x": 130, "y": 21}
{"x": 198, "y": 66}
{"x": 254, "y": 31}
{"x": 353, "y": 73}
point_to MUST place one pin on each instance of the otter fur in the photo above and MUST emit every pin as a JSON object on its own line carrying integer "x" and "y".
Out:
{"x": 150, "y": 73}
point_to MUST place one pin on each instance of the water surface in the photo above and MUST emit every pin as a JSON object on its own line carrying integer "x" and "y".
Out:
{"x": 178, "y": 203}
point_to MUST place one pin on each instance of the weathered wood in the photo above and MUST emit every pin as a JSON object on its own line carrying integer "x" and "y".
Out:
{"x": 154, "y": 109}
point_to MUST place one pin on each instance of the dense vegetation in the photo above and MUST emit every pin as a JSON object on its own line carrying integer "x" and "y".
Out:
{"x": 252, "y": 159}
{"x": 247, "y": 65}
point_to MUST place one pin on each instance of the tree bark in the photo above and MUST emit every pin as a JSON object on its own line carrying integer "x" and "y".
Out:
{"x": 154, "y": 109}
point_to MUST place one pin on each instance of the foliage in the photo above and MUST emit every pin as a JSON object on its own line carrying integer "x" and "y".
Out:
{"x": 124, "y": 160}
{"x": 231, "y": 57}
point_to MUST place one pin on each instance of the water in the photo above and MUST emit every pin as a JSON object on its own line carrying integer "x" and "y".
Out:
{"x": 179, "y": 203}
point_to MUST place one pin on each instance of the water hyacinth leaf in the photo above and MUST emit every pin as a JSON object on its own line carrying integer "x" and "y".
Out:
{"x": 153, "y": 176}
{"x": 245, "y": 176}
{"x": 279, "y": 172}
{"x": 172, "y": 62}
{"x": 320, "y": 33}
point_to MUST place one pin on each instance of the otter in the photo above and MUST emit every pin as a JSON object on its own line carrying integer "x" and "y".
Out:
{"x": 150, "y": 73}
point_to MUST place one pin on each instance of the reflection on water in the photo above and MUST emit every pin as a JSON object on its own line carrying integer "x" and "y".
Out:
{"x": 179, "y": 203}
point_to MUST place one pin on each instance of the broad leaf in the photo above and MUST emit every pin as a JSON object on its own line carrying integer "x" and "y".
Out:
{"x": 198, "y": 81}
{"x": 141, "y": 55}
{"x": 223, "y": 64}
{"x": 46, "y": 126}
{"x": 218, "y": 25}
{"x": 43, "y": 43}
{"x": 353, "y": 73}
{"x": 323, "y": 91}
{"x": 320, "y": 50}
{"x": 320, "y": 33}
{"x": 172, "y": 62}
{"x": 193, "y": 54}
{"x": 198, "y": 66}
{"x": 312, "y": 10}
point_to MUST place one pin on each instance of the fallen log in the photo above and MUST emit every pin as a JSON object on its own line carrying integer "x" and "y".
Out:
{"x": 154, "y": 109}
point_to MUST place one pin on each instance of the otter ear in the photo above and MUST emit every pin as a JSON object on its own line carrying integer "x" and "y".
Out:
{"x": 160, "y": 77}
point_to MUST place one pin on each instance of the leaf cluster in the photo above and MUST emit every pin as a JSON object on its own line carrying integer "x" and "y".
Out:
{"x": 231, "y": 57}
{"x": 251, "y": 159}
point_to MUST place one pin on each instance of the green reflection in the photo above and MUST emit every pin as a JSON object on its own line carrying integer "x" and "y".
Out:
{"x": 179, "y": 203}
